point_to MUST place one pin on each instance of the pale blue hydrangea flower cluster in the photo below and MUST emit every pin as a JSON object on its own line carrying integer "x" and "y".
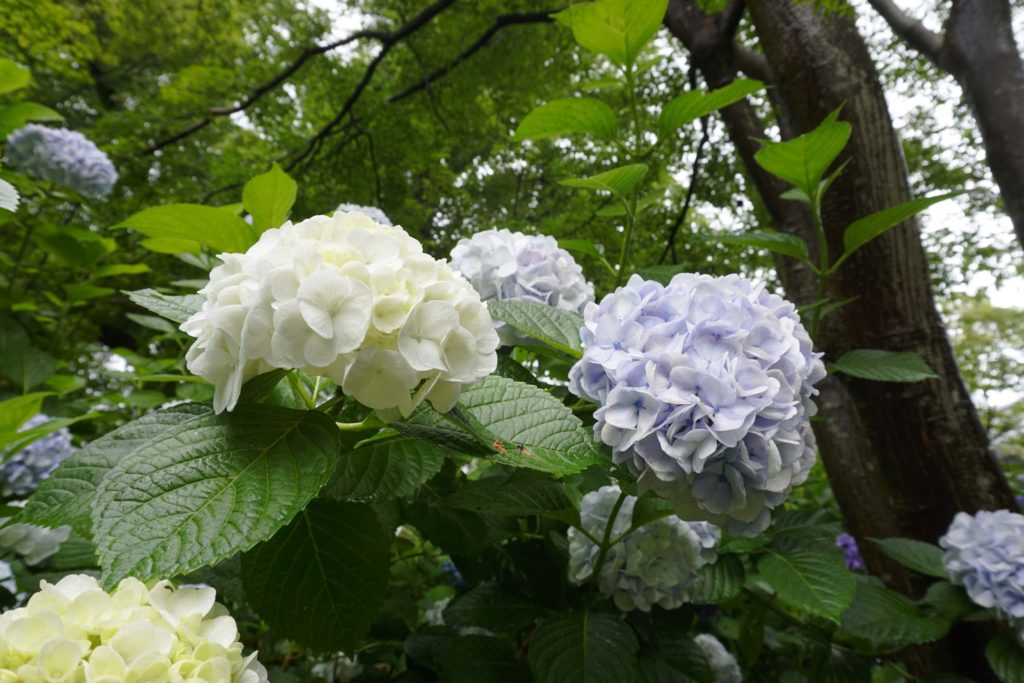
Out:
{"x": 63, "y": 156}
{"x": 985, "y": 554}
{"x": 373, "y": 212}
{"x": 706, "y": 390}
{"x": 724, "y": 668}
{"x": 24, "y": 471}
{"x": 656, "y": 564}
{"x": 505, "y": 265}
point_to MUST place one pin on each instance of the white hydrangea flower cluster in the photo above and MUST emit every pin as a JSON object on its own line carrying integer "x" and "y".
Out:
{"x": 33, "y": 543}
{"x": 706, "y": 390}
{"x": 346, "y": 298}
{"x": 338, "y": 669}
{"x": 373, "y": 212}
{"x": 505, "y": 265}
{"x": 985, "y": 555}
{"x": 63, "y": 156}
{"x": 656, "y": 564}
{"x": 73, "y": 632}
{"x": 724, "y": 667}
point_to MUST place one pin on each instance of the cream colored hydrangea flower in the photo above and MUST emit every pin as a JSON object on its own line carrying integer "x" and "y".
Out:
{"x": 346, "y": 298}
{"x": 74, "y": 632}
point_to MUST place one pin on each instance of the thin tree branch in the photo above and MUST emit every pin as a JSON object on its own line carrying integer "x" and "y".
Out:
{"x": 910, "y": 30}
{"x": 752, "y": 64}
{"x": 731, "y": 17}
{"x": 502, "y": 21}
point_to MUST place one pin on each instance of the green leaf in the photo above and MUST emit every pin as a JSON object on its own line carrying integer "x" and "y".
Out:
{"x": 217, "y": 228}
{"x": 865, "y": 229}
{"x": 120, "y": 269}
{"x": 12, "y": 442}
{"x": 565, "y": 117}
{"x": 920, "y": 556}
{"x": 513, "y": 492}
{"x": 582, "y": 247}
{"x": 175, "y": 308}
{"x": 813, "y": 579}
{"x": 584, "y": 647}
{"x": 492, "y": 607}
{"x": 694, "y": 104}
{"x": 66, "y": 497}
{"x": 778, "y": 242}
{"x": 1006, "y": 657}
{"x": 16, "y": 411}
{"x": 383, "y": 469}
{"x": 883, "y": 617}
{"x": 24, "y": 365}
{"x": 269, "y": 198}
{"x": 322, "y": 578}
{"x": 14, "y": 116}
{"x": 803, "y": 160}
{"x": 719, "y": 582}
{"x": 618, "y": 29}
{"x": 662, "y": 274}
{"x": 83, "y": 291}
{"x": 949, "y": 601}
{"x": 884, "y": 366}
{"x": 209, "y": 489}
{"x": 482, "y": 659}
{"x": 556, "y": 327}
{"x": 12, "y": 76}
{"x": 619, "y": 181}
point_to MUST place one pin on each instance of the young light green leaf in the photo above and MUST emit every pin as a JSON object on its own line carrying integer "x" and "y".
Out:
{"x": 883, "y": 617}
{"x": 556, "y": 327}
{"x": 582, "y": 247}
{"x": 661, "y": 273}
{"x": 515, "y": 492}
{"x": 618, "y": 29}
{"x": 694, "y": 104}
{"x": 14, "y": 116}
{"x": 564, "y": 117}
{"x": 920, "y": 556}
{"x": 16, "y": 411}
{"x": 12, "y": 76}
{"x": 865, "y": 229}
{"x": 174, "y": 308}
{"x": 619, "y": 181}
{"x": 208, "y": 226}
{"x": 803, "y": 160}
{"x": 1006, "y": 657}
{"x": 884, "y": 366}
{"x": 322, "y": 578}
{"x": 584, "y": 647}
{"x": 209, "y": 489}
{"x": 811, "y": 578}
{"x": 778, "y": 242}
{"x": 388, "y": 468}
{"x": 268, "y": 198}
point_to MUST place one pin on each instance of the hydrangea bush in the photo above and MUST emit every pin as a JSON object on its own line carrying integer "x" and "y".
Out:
{"x": 65, "y": 157}
{"x": 23, "y": 472}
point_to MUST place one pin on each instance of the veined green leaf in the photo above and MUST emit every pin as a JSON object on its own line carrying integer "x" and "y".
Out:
{"x": 884, "y": 617}
{"x": 803, "y": 160}
{"x": 920, "y": 556}
{"x": 572, "y": 115}
{"x": 209, "y": 226}
{"x": 618, "y": 29}
{"x": 1006, "y": 657}
{"x": 778, "y": 242}
{"x": 584, "y": 647}
{"x": 884, "y": 366}
{"x": 12, "y": 76}
{"x": 175, "y": 308}
{"x": 694, "y": 104}
{"x": 268, "y": 198}
{"x": 619, "y": 181}
{"x": 865, "y": 229}
{"x": 810, "y": 578}
{"x": 556, "y": 327}
{"x": 14, "y": 116}
{"x": 388, "y": 468}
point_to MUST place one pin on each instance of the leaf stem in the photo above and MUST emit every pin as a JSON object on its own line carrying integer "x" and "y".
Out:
{"x": 823, "y": 264}
{"x": 605, "y": 540}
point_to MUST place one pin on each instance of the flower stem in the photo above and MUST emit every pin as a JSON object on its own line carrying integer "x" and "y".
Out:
{"x": 605, "y": 540}
{"x": 823, "y": 264}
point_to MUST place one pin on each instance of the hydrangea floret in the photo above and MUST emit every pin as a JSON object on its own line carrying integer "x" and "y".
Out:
{"x": 25, "y": 470}
{"x": 63, "y": 156}
{"x": 74, "y": 631}
{"x": 724, "y": 667}
{"x": 373, "y": 212}
{"x": 985, "y": 555}
{"x": 851, "y": 552}
{"x": 346, "y": 298}
{"x": 504, "y": 265}
{"x": 705, "y": 389}
{"x": 656, "y": 564}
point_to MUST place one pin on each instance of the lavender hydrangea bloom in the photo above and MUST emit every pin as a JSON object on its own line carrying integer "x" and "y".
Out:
{"x": 656, "y": 564}
{"x": 985, "y": 554}
{"x": 64, "y": 156}
{"x": 507, "y": 265}
{"x": 22, "y": 473}
{"x": 706, "y": 390}
{"x": 33, "y": 543}
{"x": 724, "y": 667}
{"x": 851, "y": 553}
{"x": 372, "y": 211}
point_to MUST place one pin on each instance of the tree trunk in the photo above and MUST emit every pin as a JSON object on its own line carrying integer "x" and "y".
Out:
{"x": 902, "y": 458}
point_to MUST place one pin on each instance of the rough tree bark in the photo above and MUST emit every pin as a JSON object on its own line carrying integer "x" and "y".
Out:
{"x": 978, "y": 49}
{"x": 902, "y": 458}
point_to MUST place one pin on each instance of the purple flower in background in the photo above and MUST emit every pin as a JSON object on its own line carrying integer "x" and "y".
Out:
{"x": 705, "y": 388}
{"x": 850, "y": 551}
{"x": 63, "y": 156}
{"x": 24, "y": 471}
{"x": 373, "y": 212}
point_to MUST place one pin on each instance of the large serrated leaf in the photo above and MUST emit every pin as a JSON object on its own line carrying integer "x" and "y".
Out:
{"x": 810, "y": 578}
{"x": 719, "y": 582}
{"x": 175, "y": 308}
{"x": 883, "y": 617}
{"x": 884, "y": 366}
{"x": 209, "y": 489}
{"x": 492, "y": 607}
{"x": 920, "y": 556}
{"x": 66, "y": 497}
{"x": 482, "y": 659}
{"x": 694, "y": 104}
{"x": 803, "y": 160}
{"x": 556, "y": 327}
{"x": 1006, "y": 657}
{"x": 564, "y": 117}
{"x": 584, "y": 647}
{"x": 865, "y": 229}
{"x": 388, "y": 468}
{"x": 322, "y": 578}
{"x": 517, "y": 492}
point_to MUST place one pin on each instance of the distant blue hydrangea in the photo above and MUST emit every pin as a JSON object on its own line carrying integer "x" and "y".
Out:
{"x": 851, "y": 553}
{"x": 64, "y": 156}
{"x": 656, "y": 564}
{"x": 705, "y": 388}
{"x": 25, "y": 470}
{"x": 985, "y": 554}
{"x": 373, "y": 212}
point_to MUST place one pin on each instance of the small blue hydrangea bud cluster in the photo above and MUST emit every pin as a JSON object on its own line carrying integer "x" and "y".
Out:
{"x": 373, "y": 212}
{"x": 985, "y": 554}
{"x": 63, "y": 156}
{"x": 851, "y": 553}
{"x": 724, "y": 667}
{"x": 505, "y": 265}
{"x": 656, "y": 564}
{"x": 24, "y": 471}
{"x": 705, "y": 388}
